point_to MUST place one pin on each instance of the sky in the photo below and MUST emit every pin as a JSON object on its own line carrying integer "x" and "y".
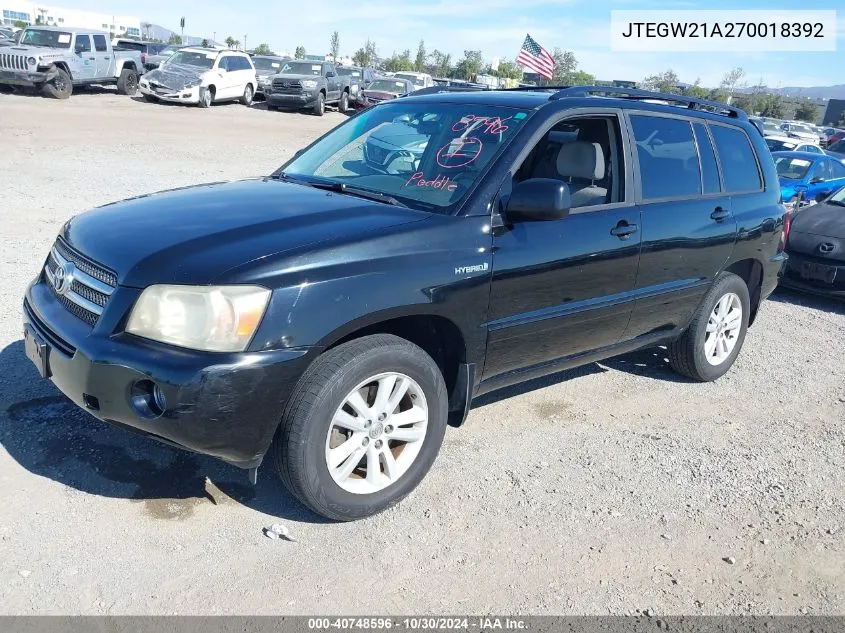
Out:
{"x": 496, "y": 27}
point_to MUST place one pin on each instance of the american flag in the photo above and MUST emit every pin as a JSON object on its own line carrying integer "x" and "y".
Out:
{"x": 535, "y": 57}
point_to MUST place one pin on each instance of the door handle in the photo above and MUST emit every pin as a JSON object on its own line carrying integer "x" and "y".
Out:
{"x": 623, "y": 230}
{"x": 92, "y": 58}
{"x": 720, "y": 214}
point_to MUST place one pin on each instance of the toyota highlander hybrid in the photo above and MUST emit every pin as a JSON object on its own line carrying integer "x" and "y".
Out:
{"x": 335, "y": 316}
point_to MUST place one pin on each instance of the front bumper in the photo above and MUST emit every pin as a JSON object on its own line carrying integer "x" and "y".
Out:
{"x": 26, "y": 78}
{"x": 187, "y": 95}
{"x": 224, "y": 405}
{"x": 829, "y": 281}
{"x": 302, "y": 99}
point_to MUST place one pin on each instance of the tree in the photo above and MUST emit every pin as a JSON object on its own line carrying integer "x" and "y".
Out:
{"x": 469, "y": 67}
{"x": 230, "y": 41}
{"x": 237, "y": 44}
{"x": 581, "y": 78}
{"x": 145, "y": 29}
{"x": 731, "y": 81}
{"x": 365, "y": 56}
{"x": 397, "y": 63}
{"x": 440, "y": 64}
{"x": 335, "y": 45}
{"x": 806, "y": 112}
{"x": 20, "y": 24}
{"x": 419, "y": 62}
{"x": 507, "y": 70}
{"x": 697, "y": 91}
{"x": 667, "y": 81}
{"x": 175, "y": 39}
{"x": 772, "y": 106}
{"x": 299, "y": 53}
{"x": 263, "y": 49}
{"x": 204, "y": 44}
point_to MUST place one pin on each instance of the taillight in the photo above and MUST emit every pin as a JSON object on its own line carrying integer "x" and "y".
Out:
{"x": 143, "y": 58}
{"x": 787, "y": 223}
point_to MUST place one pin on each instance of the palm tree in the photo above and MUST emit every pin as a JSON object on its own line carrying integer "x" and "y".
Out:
{"x": 230, "y": 41}
{"x": 145, "y": 30}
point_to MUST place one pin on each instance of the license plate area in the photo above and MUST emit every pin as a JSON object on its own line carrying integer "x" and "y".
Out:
{"x": 818, "y": 272}
{"x": 38, "y": 351}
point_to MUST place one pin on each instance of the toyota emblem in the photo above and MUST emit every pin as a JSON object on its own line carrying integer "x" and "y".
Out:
{"x": 826, "y": 247}
{"x": 63, "y": 277}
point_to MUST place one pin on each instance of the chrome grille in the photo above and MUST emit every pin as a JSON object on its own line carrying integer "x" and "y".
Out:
{"x": 286, "y": 85}
{"x": 85, "y": 286}
{"x": 376, "y": 154}
{"x": 10, "y": 61}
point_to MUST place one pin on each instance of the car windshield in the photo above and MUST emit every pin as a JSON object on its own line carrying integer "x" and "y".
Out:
{"x": 388, "y": 85}
{"x": 426, "y": 156}
{"x": 192, "y": 58}
{"x": 792, "y": 168}
{"x": 301, "y": 68}
{"x": 49, "y": 39}
{"x": 837, "y": 198}
{"x": 771, "y": 128}
{"x": 264, "y": 63}
{"x": 779, "y": 146}
{"x": 168, "y": 50}
{"x": 419, "y": 82}
{"x": 349, "y": 72}
{"x": 838, "y": 146}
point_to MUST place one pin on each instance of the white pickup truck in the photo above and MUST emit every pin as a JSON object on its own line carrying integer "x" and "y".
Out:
{"x": 54, "y": 60}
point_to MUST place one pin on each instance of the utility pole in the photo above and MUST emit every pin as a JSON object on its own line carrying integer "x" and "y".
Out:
{"x": 245, "y": 43}
{"x": 214, "y": 38}
{"x": 182, "y": 24}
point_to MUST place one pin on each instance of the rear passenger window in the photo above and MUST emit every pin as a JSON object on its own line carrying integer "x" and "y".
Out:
{"x": 709, "y": 167}
{"x": 100, "y": 43}
{"x": 739, "y": 166}
{"x": 668, "y": 161}
{"x": 838, "y": 170}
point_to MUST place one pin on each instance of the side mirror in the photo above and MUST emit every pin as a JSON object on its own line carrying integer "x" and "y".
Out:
{"x": 329, "y": 75}
{"x": 538, "y": 199}
{"x": 817, "y": 180}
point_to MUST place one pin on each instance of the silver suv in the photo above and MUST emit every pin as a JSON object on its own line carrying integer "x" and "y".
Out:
{"x": 55, "y": 60}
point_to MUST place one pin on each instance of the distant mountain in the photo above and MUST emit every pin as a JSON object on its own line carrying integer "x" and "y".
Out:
{"x": 813, "y": 92}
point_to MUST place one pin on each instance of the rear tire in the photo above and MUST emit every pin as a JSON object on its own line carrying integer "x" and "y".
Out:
{"x": 127, "y": 83}
{"x": 709, "y": 347}
{"x": 310, "y": 427}
{"x": 61, "y": 87}
{"x": 320, "y": 106}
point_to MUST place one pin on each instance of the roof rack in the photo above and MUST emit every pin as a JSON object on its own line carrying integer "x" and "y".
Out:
{"x": 438, "y": 89}
{"x": 692, "y": 103}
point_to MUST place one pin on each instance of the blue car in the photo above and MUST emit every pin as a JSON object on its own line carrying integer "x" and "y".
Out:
{"x": 814, "y": 175}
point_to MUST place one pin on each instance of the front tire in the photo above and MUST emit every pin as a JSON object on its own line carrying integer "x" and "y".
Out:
{"x": 709, "y": 347}
{"x": 248, "y": 95}
{"x": 343, "y": 105}
{"x": 127, "y": 83}
{"x": 206, "y": 97}
{"x": 320, "y": 105}
{"x": 362, "y": 428}
{"x": 60, "y": 87}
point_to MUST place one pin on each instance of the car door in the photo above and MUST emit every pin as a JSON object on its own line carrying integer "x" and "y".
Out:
{"x": 228, "y": 78}
{"x": 689, "y": 228}
{"x": 103, "y": 55}
{"x": 822, "y": 180}
{"x": 242, "y": 73}
{"x": 332, "y": 83}
{"x": 87, "y": 68}
{"x": 563, "y": 287}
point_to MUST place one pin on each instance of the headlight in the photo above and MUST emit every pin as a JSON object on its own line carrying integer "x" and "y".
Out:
{"x": 309, "y": 84}
{"x": 208, "y": 318}
{"x": 31, "y": 61}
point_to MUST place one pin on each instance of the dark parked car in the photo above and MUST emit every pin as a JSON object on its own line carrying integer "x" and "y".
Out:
{"x": 153, "y": 61}
{"x": 266, "y": 66}
{"x": 384, "y": 89}
{"x": 837, "y": 150}
{"x": 147, "y": 49}
{"x": 303, "y": 84}
{"x": 359, "y": 79}
{"x": 816, "y": 248}
{"x": 334, "y": 320}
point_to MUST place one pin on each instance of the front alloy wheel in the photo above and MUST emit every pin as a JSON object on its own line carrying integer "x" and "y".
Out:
{"x": 362, "y": 427}
{"x": 377, "y": 433}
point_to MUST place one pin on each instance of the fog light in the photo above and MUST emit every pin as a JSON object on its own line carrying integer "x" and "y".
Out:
{"x": 147, "y": 399}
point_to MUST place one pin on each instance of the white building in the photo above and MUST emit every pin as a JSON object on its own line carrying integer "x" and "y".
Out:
{"x": 12, "y": 11}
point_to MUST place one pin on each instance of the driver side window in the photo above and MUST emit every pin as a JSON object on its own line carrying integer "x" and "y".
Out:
{"x": 83, "y": 44}
{"x": 585, "y": 153}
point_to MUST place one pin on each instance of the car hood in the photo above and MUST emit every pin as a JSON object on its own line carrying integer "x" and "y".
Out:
{"x": 821, "y": 219}
{"x": 291, "y": 77}
{"x": 195, "y": 234}
{"x": 380, "y": 94}
{"x": 38, "y": 51}
{"x": 176, "y": 76}
{"x": 398, "y": 135}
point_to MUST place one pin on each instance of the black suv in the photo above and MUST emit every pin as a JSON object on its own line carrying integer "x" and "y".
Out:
{"x": 338, "y": 317}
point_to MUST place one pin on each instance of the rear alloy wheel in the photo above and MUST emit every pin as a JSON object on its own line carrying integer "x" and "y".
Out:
{"x": 127, "y": 83}
{"x": 711, "y": 343}
{"x": 61, "y": 86}
{"x": 248, "y": 95}
{"x": 363, "y": 427}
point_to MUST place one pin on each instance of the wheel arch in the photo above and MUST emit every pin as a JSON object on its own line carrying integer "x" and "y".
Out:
{"x": 439, "y": 336}
{"x": 63, "y": 66}
{"x": 751, "y": 272}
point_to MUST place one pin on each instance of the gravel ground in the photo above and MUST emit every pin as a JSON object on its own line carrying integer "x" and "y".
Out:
{"x": 615, "y": 488}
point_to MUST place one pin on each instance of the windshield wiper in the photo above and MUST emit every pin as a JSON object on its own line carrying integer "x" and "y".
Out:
{"x": 343, "y": 188}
